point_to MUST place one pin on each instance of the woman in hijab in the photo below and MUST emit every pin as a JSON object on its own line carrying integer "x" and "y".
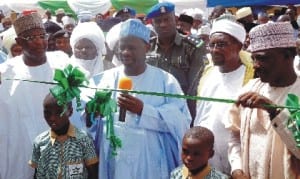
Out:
{"x": 88, "y": 44}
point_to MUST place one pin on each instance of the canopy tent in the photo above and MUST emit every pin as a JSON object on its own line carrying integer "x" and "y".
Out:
{"x": 53, "y": 5}
{"x": 94, "y": 6}
{"x": 141, "y": 6}
{"x": 19, "y": 6}
{"x": 236, "y": 3}
{"x": 181, "y": 5}
{"x": 70, "y": 6}
{"x": 98, "y": 6}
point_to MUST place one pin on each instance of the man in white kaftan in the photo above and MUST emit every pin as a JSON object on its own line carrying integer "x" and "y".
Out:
{"x": 264, "y": 151}
{"x": 151, "y": 141}
{"x": 297, "y": 57}
{"x": 23, "y": 118}
{"x": 261, "y": 146}
{"x": 222, "y": 80}
{"x": 151, "y": 138}
{"x": 88, "y": 45}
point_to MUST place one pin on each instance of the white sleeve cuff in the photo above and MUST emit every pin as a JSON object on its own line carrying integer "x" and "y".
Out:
{"x": 279, "y": 124}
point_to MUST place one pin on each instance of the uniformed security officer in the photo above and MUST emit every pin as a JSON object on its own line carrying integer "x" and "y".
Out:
{"x": 174, "y": 53}
{"x": 62, "y": 41}
{"x": 125, "y": 13}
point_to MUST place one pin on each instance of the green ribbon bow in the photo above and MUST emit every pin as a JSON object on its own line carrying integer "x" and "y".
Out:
{"x": 105, "y": 106}
{"x": 69, "y": 80}
{"x": 293, "y": 123}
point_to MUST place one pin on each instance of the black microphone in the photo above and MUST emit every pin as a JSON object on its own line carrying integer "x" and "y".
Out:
{"x": 125, "y": 83}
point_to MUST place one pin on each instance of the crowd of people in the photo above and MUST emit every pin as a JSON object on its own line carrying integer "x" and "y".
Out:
{"x": 250, "y": 58}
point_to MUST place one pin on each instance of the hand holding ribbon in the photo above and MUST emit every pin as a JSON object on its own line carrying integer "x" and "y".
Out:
{"x": 105, "y": 106}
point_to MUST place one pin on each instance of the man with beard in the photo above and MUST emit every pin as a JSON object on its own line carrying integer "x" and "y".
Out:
{"x": 261, "y": 145}
{"x": 178, "y": 55}
{"x": 230, "y": 71}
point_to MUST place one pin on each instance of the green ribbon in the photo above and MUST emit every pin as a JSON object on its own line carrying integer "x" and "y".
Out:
{"x": 69, "y": 80}
{"x": 105, "y": 106}
{"x": 293, "y": 123}
{"x": 222, "y": 100}
{"x": 292, "y": 104}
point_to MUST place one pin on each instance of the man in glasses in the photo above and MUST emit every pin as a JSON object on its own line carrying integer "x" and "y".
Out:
{"x": 263, "y": 141}
{"x": 24, "y": 112}
{"x": 223, "y": 79}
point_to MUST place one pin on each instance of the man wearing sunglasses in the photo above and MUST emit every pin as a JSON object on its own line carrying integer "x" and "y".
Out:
{"x": 24, "y": 115}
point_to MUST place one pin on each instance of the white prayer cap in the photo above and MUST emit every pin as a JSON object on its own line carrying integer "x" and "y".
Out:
{"x": 113, "y": 35}
{"x": 197, "y": 16}
{"x": 90, "y": 31}
{"x": 231, "y": 28}
{"x": 68, "y": 20}
{"x": 85, "y": 16}
{"x": 9, "y": 39}
{"x": 204, "y": 30}
{"x": 196, "y": 13}
{"x": 243, "y": 12}
{"x": 60, "y": 11}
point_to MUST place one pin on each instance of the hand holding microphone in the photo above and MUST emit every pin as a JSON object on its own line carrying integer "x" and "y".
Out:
{"x": 125, "y": 83}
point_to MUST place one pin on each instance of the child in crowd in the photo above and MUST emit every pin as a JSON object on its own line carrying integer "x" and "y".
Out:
{"x": 64, "y": 151}
{"x": 197, "y": 149}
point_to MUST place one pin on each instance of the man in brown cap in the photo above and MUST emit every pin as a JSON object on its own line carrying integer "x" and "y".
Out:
{"x": 261, "y": 144}
{"x": 24, "y": 112}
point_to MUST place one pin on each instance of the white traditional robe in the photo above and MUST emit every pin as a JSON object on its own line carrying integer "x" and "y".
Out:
{"x": 297, "y": 64}
{"x": 212, "y": 114}
{"x": 260, "y": 147}
{"x": 23, "y": 119}
{"x": 151, "y": 143}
